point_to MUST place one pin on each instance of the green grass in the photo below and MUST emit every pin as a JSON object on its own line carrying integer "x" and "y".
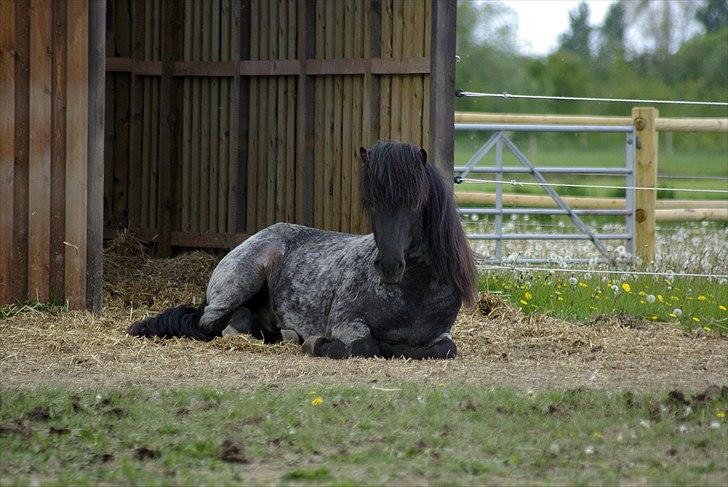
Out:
{"x": 694, "y": 162}
{"x": 456, "y": 434}
{"x": 703, "y": 303}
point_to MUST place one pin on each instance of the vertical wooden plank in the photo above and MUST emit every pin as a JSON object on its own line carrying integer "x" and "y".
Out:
{"x": 8, "y": 292}
{"x": 397, "y": 88}
{"x": 186, "y": 224}
{"x": 214, "y": 115}
{"x": 426, "y": 79}
{"x": 137, "y": 112}
{"x": 224, "y": 123}
{"x": 645, "y": 177}
{"x": 290, "y": 214}
{"x": 122, "y": 107}
{"x": 205, "y": 121}
{"x": 339, "y": 12}
{"x": 239, "y": 102}
{"x": 95, "y": 153}
{"x": 320, "y": 162}
{"x": 417, "y": 49}
{"x": 154, "y": 202}
{"x": 77, "y": 154}
{"x": 146, "y": 135}
{"x": 281, "y": 30}
{"x": 39, "y": 162}
{"x": 407, "y": 82}
{"x": 253, "y": 162}
{"x": 58, "y": 154}
{"x": 442, "y": 86}
{"x": 306, "y": 116}
{"x": 196, "y": 163}
{"x": 385, "y": 82}
{"x": 109, "y": 118}
{"x": 20, "y": 172}
{"x": 346, "y": 154}
{"x": 170, "y": 46}
{"x": 264, "y": 89}
{"x": 272, "y": 34}
{"x": 357, "y": 116}
{"x": 329, "y": 100}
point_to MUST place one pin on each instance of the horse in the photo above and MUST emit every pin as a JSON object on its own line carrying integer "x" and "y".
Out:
{"x": 393, "y": 293}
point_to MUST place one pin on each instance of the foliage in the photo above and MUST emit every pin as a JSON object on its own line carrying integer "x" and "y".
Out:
{"x": 448, "y": 434}
{"x": 599, "y": 60}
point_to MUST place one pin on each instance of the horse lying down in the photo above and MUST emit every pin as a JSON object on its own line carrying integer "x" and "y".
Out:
{"x": 394, "y": 293}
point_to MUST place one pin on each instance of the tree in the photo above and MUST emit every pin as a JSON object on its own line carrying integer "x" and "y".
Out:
{"x": 577, "y": 39}
{"x": 611, "y": 34}
{"x": 713, "y": 15}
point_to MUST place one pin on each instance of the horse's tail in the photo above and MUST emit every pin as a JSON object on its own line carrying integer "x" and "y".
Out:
{"x": 180, "y": 321}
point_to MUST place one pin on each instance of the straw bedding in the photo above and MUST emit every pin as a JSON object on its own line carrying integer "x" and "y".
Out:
{"x": 499, "y": 346}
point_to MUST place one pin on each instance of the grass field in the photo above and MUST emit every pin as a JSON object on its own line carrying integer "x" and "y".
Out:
{"x": 440, "y": 435}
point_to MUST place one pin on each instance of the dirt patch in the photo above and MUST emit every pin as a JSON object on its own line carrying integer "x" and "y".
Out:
{"x": 498, "y": 345}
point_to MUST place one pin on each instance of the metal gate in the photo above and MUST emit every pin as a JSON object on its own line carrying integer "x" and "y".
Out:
{"x": 500, "y": 140}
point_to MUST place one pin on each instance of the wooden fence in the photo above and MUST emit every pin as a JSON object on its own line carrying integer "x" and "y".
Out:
{"x": 225, "y": 116}
{"x": 51, "y": 150}
{"x": 648, "y": 210}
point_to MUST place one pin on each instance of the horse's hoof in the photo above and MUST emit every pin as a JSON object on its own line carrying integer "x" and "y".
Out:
{"x": 312, "y": 344}
{"x": 291, "y": 336}
{"x": 138, "y": 329}
{"x": 230, "y": 331}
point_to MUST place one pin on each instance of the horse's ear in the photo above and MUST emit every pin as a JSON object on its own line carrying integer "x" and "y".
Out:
{"x": 364, "y": 154}
{"x": 424, "y": 156}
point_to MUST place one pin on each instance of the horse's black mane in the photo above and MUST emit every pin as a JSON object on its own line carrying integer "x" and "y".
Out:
{"x": 396, "y": 175}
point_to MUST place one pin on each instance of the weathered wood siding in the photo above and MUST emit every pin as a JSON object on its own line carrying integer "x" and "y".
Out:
{"x": 51, "y": 156}
{"x": 273, "y": 99}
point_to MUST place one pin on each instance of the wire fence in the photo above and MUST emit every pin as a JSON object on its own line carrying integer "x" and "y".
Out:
{"x": 513, "y": 182}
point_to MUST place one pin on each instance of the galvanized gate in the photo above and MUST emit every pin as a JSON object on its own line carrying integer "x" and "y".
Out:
{"x": 500, "y": 140}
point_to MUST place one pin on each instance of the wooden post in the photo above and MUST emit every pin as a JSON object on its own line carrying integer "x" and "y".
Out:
{"x": 442, "y": 86}
{"x": 644, "y": 119}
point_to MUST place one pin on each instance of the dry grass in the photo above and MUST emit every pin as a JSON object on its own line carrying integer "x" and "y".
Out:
{"x": 498, "y": 344}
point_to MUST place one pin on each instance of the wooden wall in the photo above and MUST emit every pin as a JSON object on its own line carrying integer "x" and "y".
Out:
{"x": 265, "y": 106}
{"x": 51, "y": 149}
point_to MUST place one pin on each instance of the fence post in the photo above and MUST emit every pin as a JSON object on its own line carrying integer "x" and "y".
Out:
{"x": 644, "y": 119}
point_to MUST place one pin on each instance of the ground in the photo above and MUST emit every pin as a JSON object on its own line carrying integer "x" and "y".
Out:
{"x": 530, "y": 399}
{"x": 498, "y": 345}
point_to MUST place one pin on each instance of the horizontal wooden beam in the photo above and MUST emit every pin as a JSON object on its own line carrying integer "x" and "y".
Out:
{"x": 662, "y": 124}
{"x": 580, "y": 202}
{"x": 692, "y": 215}
{"x": 286, "y": 67}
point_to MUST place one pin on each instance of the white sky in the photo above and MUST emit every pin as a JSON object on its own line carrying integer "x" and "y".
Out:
{"x": 541, "y": 21}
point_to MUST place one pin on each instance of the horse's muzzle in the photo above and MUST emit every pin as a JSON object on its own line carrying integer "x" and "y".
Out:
{"x": 390, "y": 271}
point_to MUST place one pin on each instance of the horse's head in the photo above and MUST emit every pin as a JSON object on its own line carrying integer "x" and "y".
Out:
{"x": 394, "y": 188}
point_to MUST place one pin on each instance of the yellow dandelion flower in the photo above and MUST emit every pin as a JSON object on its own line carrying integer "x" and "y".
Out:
{"x": 642, "y": 301}
{"x": 660, "y": 298}
{"x": 722, "y": 308}
{"x": 317, "y": 401}
{"x": 721, "y": 414}
{"x": 626, "y": 287}
{"x": 597, "y": 435}
{"x": 707, "y": 328}
{"x": 582, "y": 284}
{"x": 672, "y": 298}
{"x": 559, "y": 298}
{"x": 673, "y": 315}
{"x": 523, "y": 301}
{"x": 696, "y": 319}
{"x": 702, "y": 298}
{"x": 527, "y": 296}
{"x": 653, "y": 317}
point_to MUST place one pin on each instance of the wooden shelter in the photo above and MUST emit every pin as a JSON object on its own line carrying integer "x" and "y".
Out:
{"x": 221, "y": 117}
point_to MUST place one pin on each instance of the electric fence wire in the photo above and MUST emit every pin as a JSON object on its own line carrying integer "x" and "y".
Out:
{"x": 513, "y": 182}
{"x": 474, "y": 94}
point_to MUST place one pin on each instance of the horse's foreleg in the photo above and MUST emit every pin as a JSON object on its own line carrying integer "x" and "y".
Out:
{"x": 349, "y": 339}
{"x": 441, "y": 348}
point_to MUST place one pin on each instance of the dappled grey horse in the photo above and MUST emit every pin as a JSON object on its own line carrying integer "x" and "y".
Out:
{"x": 394, "y": 293}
